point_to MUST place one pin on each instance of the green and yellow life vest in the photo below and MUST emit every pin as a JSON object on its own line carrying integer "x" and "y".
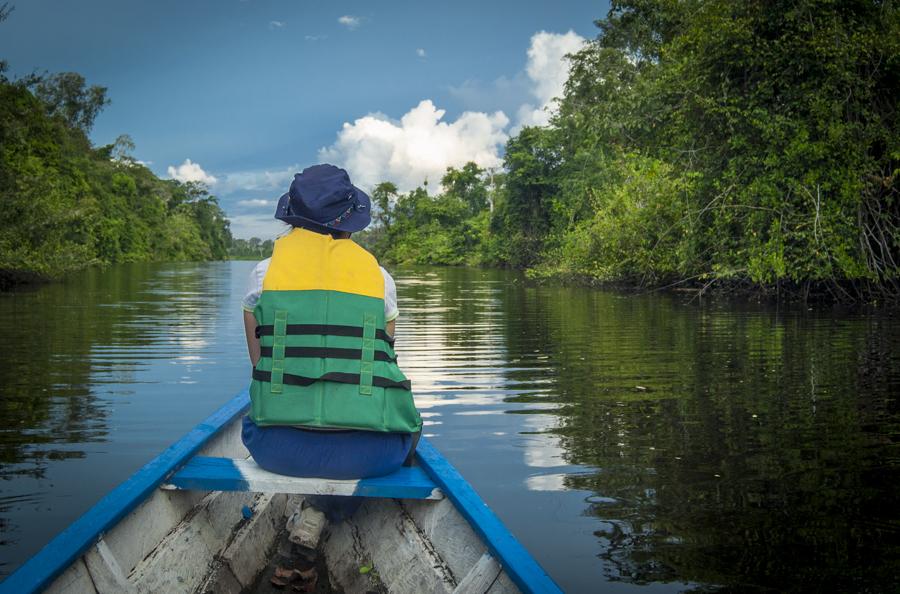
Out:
{"x": 326, "y": 358}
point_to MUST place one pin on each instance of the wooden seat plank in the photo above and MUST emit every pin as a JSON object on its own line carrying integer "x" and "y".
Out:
{"x": 225, "y": 474}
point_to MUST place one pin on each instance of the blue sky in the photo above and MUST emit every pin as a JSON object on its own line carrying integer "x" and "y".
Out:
{"x": 251, "y": 91}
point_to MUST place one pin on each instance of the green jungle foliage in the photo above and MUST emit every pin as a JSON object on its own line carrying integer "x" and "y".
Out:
{"x": 66, "y": 204}
{"x": 703, "y": 141}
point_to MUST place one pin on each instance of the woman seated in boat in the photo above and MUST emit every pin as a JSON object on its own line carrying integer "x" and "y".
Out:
{"x": 328, "y": 399}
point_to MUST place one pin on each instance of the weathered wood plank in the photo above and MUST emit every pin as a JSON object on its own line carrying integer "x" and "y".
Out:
{"x": 105, "y": 572}
{"x": 518, "y": 564}
{"x": 481, "y": 577}
{"x": 224, "y": 474}
{"x": 449, "y": 533}
{"x": 182, "y": 561}
{"x": 385, "y": 540}
{"x": 140, "y": 532}
{"x": 247, "y": 553}
{"x": 74, "y": 580}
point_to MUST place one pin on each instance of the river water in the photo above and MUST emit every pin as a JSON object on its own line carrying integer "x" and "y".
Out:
{"x": 632, "y": 443}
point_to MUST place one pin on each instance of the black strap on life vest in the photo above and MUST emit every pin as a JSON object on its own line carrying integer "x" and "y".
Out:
{"x": 326, "y": 353}
{"x": 323, "y": 329}
{"x": 334, "y": 376}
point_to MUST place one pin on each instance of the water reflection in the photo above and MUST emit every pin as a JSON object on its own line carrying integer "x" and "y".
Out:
{"x": 92, "y": 385}
{"x": 709, "y": 445}
{"x": 631, "y": 443}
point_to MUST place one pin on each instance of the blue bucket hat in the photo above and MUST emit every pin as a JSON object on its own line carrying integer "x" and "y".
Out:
{"x": 322, "y": 196}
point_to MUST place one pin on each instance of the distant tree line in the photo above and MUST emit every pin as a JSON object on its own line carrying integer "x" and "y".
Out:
{"x": 704, "y": 143}
{"x": 250, "y": 249}
{"x": 67, "y": 204}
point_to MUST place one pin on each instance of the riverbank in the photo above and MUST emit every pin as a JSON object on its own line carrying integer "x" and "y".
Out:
{"x": 830, "y": 293}
{"x": 14, "y": 279}
{"x": 846, "y": 294}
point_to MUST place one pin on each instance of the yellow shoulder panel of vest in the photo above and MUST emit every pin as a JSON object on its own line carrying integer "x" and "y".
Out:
{"x": 306, "y": 261}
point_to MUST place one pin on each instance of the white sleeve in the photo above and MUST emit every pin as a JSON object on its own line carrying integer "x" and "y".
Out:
{"x": 390, "y": 297}
{"x": 254, "y": 285}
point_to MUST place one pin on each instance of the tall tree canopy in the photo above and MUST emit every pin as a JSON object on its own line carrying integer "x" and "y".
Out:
{"x": 65, "y": 204}
{"x": 66, "y": 95}
{"x": 705, "y": 140}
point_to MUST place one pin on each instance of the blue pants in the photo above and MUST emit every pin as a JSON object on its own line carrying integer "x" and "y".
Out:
{"x": 325, "y": 454}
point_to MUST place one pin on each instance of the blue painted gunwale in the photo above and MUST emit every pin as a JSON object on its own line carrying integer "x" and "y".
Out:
{"x": 39, "y": 572}
{"x": 519, "y": 565}
{"x": 202, "y": 473}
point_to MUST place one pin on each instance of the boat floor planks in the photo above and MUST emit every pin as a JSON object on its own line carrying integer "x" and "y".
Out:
{"x": 397, "y": 540}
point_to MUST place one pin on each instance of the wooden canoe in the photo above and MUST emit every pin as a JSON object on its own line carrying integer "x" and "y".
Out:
{"x": 201, "y": 517}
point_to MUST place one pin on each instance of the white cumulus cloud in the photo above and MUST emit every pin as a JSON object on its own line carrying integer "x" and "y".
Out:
{"x": 547, "y": 70}
{"x": 191, "y": 172}
{"x": 276, "y": 24}
{"x": 420, "y": 146}
{"x": 350, "y": 21}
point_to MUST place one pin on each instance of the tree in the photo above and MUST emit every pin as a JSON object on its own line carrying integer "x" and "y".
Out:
{"x": 66, "y": 95}
{"x": 383, "y": 194}
{"x": 523, "y": 218}
{"x": 468, "y": 185}
{"x": 123, "y": 148}
{"x": 778, "y": 122}
{"x": 67, "y": 205}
